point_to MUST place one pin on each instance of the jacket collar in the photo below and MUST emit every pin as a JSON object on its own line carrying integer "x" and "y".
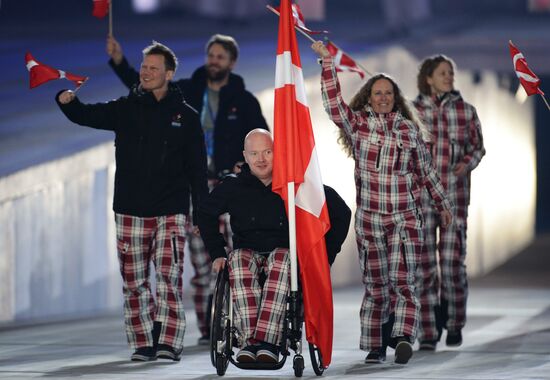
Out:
{"x": 449, "y": 97}
{"x": 147, "y": 97}
{"x": 250, "y": 179}
{"x": 234, "y": 85}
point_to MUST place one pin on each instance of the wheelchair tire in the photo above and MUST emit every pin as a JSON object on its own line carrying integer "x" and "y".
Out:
{"x": 298, "y": 365}
{"x": 221, "y": 364}
{"x": 316, "y": 360}
{"x": 218, "y": 325}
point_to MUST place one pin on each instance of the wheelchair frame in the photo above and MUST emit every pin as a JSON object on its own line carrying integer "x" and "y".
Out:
{"x": 223, "y": 334}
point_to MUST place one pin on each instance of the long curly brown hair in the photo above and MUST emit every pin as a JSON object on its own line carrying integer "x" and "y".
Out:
{"x": 361, "y": 100}
{"x": 427, "y": 68}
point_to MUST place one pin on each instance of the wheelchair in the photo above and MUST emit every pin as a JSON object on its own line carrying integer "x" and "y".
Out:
{"x": 223, "y": 333}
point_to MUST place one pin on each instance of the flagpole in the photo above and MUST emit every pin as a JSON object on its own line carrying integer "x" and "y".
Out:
{"x": 111, "y": 18}
{"x": 292, "y": 238}
{"x": 545, "y": 101}
{"x": 357, "y": 62}
{"x": 78, "y": 88}
{"x": 295, "y": 27}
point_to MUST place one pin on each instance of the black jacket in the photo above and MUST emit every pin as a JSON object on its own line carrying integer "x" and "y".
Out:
{"x": 239, "y": 112}
{"x": 160, "y": 152}
{"x": 258, "y": 217}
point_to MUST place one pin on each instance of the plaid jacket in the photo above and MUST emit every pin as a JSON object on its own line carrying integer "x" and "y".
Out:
{"x": 392, "y": 163}
{"x": 456, "y": 137}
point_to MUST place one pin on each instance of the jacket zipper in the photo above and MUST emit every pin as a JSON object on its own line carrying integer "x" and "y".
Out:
{"x": 174, "y": 247}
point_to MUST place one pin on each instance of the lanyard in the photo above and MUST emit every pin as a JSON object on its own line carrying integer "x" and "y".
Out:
{"x": 206, "y": 106}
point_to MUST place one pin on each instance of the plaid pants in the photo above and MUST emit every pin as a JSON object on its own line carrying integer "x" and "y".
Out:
{"x": 443, "y": 288}
{"x": 204, "y": 280}
{"x": 259, "y": 310}
{"x": 389, "y": 246}
{"x": 160, "y": 240}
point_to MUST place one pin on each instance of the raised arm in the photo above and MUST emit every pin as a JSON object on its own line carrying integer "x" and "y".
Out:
{"x": 126, "y": 73}
{"x": 98, "y": 116}
{"x": 339, "y": 112}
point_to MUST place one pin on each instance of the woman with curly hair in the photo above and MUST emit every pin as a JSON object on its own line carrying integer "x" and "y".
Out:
{"x": 392, "y": 166}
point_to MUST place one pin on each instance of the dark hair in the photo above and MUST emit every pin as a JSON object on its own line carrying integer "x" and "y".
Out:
{"x": 170, "y": 59}
{"x": 227, "y": 42}
{"x": 427, "y": 68}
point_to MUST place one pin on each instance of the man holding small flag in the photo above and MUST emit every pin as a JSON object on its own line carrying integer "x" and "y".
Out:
{"x": 160, "y": 162}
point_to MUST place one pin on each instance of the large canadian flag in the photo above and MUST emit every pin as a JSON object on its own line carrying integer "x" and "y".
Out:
{"x": 295, "y": 161}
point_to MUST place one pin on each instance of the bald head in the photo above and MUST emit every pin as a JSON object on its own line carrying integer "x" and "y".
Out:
{"x": 258, "y": 154}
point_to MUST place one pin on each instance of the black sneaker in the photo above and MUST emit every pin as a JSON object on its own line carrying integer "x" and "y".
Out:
{"x": 376, "y": 356}
{"x": 427, "y": 345}
{"x": 454, "y": 338}
{"x": 267, "y": 353}
{"x": 247, "y": 354}
{"x": 403, "y": 350}
{"x": 144, "y": 354}
{"x": 165, "y": 351}
{"x": 204, "y": 340}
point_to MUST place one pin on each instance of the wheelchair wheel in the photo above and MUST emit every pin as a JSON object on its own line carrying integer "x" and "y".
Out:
{"x": 316, "y": 360}
{"x": 298, "y": 365}
{"x": 220, "y": 324}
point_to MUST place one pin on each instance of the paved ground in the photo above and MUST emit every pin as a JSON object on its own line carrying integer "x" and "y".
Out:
{"x": 507, "y": 338}
{"x": 33, "y": 130}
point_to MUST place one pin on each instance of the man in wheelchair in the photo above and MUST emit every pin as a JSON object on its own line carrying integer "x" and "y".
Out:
{"x": 260, "y": 239}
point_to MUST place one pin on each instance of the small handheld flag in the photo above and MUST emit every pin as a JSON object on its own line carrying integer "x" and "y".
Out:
{"x": 41, "y": 73}
{"x": 101, "y": 8}
{"x": 342, "y": 61}
{"x": 527, "y": 78}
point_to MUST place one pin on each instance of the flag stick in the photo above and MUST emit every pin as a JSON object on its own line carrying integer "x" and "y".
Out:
{"x": 295, "y": 27}
{"x": 111, "y": 18}
{"x": 358, "y": 64}
{"x": 79, "y": 87}
{"x": 292, "y": 238}
{"x": 545, "y": 101}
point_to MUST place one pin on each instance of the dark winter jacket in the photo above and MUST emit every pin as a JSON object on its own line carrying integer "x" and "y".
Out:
{"x": 258, "y": 217}
{"x": 239, "y": 112}
{"x": 160, "y": 152}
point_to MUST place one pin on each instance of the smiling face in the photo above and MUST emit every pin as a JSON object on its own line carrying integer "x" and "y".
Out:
{"x": 382, "y": 96}
{"x": 218, "y": 63}
{"x": 258, "y": 154}
{"x": 153, "y": 75}
{"x": 442, "y": 79}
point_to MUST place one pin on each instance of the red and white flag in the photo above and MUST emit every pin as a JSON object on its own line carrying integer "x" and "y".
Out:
{"x": 342, "y": 61}
{"x": 41, "y": 73}
{"x": 527, "y": 78}
{"x": 299, "y": 20}
{"x": 295, "y": 160}
{"x": 101, "y": 8}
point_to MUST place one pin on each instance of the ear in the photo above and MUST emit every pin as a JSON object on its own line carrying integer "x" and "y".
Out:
{"x": 169, "y": 75}
{"x": 232, "y": 65}
{"x": 430, "y": 81}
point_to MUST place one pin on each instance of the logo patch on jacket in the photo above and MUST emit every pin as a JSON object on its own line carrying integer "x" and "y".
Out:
{"x": 232, "y": 114}
{"x": 177, "y": 120}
